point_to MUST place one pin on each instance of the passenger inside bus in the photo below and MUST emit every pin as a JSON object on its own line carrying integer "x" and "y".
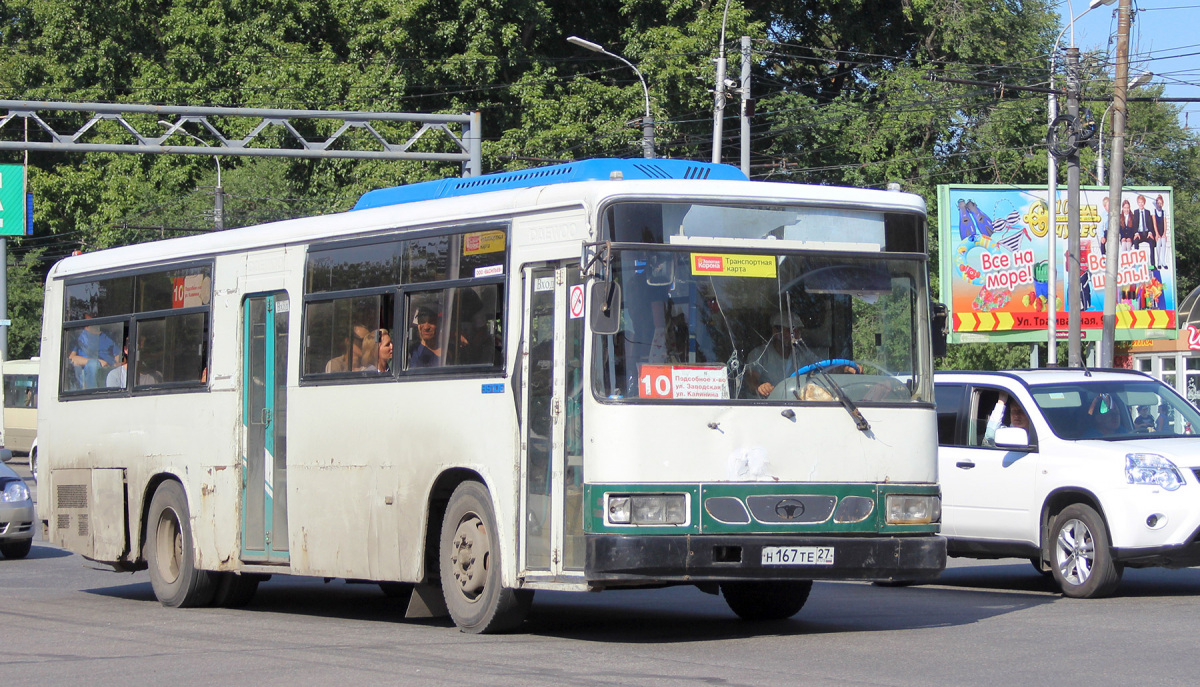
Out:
{"x": 119, "y": 375}
{"x": 92, "y": 355}
{"x": 377, "y": 351}
{"x": 352, "y": 358}
{"x": 427, "y": 352}
{"x": 476, "y": 343}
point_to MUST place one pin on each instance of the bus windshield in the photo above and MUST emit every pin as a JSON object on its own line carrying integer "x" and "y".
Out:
{"x": 737, "y": 326}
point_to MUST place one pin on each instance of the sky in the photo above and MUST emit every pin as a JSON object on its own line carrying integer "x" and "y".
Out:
{"x": 1164, "y": 38}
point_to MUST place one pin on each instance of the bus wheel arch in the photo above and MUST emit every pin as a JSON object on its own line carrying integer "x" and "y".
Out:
{"x": 169, "y": 548}
{"x": 470, "y": 566}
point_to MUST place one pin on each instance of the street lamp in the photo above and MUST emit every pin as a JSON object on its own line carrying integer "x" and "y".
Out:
{"x": 219, "y": 199}
{"x": 1052, "y": 196}
{"x": 1141, "y": 80}
{"x": 648, "y": 121}
{"x": 719, "y": 94}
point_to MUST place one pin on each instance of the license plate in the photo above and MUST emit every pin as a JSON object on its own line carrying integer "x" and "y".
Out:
{"x": 797, "y": 555}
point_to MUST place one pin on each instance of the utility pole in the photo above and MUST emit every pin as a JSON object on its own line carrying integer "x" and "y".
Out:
{"x": 747, "y": 105}
{"x": 1052, "y": 236}
{"x": 719, "y": 101}
{"x": 1116, "y": 181}
{"x": 1074, "y": 288}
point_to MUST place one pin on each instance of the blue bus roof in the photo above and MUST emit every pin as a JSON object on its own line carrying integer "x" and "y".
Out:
{"x": 585, "y": 170}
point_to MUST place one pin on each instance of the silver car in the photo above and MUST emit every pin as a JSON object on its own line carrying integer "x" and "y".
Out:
{"x": 16, "y": 515}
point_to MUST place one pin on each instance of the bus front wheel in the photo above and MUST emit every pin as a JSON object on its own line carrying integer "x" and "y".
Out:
{"x": 766, "y": 600}
{"x": 469, "y": 562}
{"x": 170, "y": 554}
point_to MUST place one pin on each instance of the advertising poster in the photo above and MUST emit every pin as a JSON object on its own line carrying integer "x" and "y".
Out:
{"x": 995, "y": 262}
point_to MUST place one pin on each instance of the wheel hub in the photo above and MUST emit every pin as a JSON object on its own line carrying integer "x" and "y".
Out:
{"x": 468, "y": 556}
{"x": 1076, "y": 552}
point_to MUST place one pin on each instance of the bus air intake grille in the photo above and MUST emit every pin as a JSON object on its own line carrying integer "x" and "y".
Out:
{"x": 64, "y": 521}
{"x": 791, "y": 509}
{"x": 72, "y": 496}
{"x": 82, "y": 524}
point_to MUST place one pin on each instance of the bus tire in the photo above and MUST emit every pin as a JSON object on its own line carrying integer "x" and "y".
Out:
{"x": 233, "y": 590}
{"x": 470, "y": 570}
{"x": 772, "y": 600}
{"x": 33, "y": 463}
{"x": 170, "y": 552}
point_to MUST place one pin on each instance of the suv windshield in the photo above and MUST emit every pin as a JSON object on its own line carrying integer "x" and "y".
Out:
{"x": 1142, "y": 409}
{"x": 741, "y": 326}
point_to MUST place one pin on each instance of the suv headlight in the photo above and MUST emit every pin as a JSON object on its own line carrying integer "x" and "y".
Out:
{"x": 913, "y": 509}
{"x": 1152, "y": 469}
{"x": 15, "y": 491}
{"x": 647, "y": 509}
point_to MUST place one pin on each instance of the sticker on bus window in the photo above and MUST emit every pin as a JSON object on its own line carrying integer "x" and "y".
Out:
{"x": 489, "y": 271}
{"x": 723, "y": 265}
{"x": 683, "y": 382}
{"x": 478, "y": 242}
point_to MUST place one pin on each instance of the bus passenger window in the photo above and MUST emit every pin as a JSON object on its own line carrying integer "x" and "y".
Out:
{"x": 337, "y": 330}
{"x": 91, "y": 351}
{"x": 171, "y": 349}
{"x": 454, "y": 327}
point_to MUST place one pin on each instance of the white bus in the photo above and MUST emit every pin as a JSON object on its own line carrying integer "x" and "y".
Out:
{"x": 20, "y": 408}
{"x": 471, "y": 389}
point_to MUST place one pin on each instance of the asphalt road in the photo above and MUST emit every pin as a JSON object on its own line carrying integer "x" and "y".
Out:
{"x": 64, "y": 620}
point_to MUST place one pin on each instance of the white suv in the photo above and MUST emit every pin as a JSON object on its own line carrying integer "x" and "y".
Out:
{"x": 1102, "y": 474}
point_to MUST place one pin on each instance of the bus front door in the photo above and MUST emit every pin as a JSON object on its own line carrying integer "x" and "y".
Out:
{"x": 264, "y": 415}
{"x": 552, "y": 494}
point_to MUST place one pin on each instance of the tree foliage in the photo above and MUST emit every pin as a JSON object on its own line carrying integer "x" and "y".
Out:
{"x": 842, "y": 92}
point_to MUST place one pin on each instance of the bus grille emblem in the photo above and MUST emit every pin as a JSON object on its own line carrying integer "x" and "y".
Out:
{"x": 789, "y": 509}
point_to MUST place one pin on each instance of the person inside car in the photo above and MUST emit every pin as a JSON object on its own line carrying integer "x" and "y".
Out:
{"x": 1016, "y": 418}
{"x": 1105, "y": 417}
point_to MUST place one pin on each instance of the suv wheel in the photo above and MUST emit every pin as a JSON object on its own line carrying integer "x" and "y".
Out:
{"x": 1081, "y": 558}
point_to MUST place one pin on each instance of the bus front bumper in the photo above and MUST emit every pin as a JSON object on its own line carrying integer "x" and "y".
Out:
{"x": 652, "y": 559}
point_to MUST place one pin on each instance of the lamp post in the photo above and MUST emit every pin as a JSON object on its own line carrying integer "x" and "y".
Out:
{"x": 719, "y": 94}
{"x": 648, "y": 120}
{"x": 1141, "y": 80}
{"x": 219, "y": 199}
{"x": 1052, "y": 198}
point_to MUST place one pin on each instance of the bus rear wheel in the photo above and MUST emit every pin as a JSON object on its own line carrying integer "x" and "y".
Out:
{"x": 773, "y": 600}
{"x": 170, "y": 551}
{"x": 469, "y": 562}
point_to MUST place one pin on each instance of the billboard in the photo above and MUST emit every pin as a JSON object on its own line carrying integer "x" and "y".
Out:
{"x": 995, "y": 262}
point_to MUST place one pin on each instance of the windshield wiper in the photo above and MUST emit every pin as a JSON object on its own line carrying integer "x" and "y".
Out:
{"x": 832, "y": 386}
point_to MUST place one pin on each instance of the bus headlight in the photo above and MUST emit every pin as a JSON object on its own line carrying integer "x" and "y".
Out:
{"x": 1152, "y": 469}
{"x": 913, "y": 509}
{"x": 647, "y": 509}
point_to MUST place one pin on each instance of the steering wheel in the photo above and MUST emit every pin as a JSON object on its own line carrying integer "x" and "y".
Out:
{"x": 826, "y": 364}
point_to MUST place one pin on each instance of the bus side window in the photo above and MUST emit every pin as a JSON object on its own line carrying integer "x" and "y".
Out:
{"x": 453, "y": 327}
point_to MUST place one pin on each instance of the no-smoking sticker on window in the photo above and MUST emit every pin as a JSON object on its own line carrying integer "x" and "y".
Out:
{"x": 576, "y": 301}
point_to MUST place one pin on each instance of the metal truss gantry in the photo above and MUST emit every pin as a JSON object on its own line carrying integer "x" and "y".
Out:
{"x": 468, "y": 141}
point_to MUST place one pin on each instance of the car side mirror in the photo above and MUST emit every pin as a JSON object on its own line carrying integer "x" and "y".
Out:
{"x": 1012, "y": 437}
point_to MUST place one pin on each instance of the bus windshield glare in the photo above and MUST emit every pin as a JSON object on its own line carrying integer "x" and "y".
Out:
{"x": 736, "y": 326}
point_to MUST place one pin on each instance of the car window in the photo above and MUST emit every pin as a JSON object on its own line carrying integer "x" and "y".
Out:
{"x": 949, "y": 399}
{"x": 1013, "y": 414}
{"x": 1141, "y": 408}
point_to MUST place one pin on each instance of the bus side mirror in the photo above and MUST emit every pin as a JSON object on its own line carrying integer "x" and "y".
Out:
{"x": 939, "y": 316}
{"x": 605, "y": 299}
